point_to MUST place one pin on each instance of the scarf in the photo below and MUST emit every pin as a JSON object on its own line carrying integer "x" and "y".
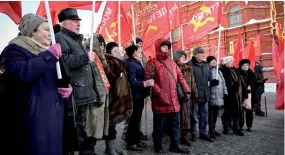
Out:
{"x": 29, "y": 44}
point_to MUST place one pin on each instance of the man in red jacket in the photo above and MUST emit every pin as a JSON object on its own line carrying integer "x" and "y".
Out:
{"x": 165, "y": 104}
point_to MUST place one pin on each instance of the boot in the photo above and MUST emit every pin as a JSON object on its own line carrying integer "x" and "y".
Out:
{"x": 238, "y": 132}
{"x": 179, "y": 150}
{"x": 87, "y": 146}
{"x": 185, "y": 141}
{"x": 110, "y": 148}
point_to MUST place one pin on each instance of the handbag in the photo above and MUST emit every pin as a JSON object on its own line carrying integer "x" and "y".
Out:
{"x": 180, "y": 93}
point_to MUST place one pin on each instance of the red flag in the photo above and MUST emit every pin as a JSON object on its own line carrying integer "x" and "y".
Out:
{"x": 252, "y": 56}
{"x": 207, "y": 18}
{"x": 57, "y": 6}
{"x": 275, "y": 58}
{"x": 108, "y": 27}
{"x": 12, "y": 9}
{"x": 126, "y": 22}
{"x": 279, "y": 102}
{"x": 280, "y": 38}
{"x": 174, "y": 14}
{"x": 238, "y": 51}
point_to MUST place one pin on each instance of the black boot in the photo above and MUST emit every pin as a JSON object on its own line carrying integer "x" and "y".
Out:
{"x": 87, "y": 146}
{"x": 238, "y": 132}
{"x": 217, "y": 134}
{"x": 249, "y": 129}
{"x": 206, "y": 138}
{"x": 179, "y": 150}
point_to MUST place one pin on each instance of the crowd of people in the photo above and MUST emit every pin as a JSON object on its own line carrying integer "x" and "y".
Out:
{"x": 106, "y": 86}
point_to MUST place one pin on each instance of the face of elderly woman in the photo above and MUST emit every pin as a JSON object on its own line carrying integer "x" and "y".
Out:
{"x": 230, "y": 64}
{"x": 42, "y": 34}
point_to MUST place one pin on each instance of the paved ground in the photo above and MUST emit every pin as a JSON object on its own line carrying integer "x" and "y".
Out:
{"x": 267, "y": 137}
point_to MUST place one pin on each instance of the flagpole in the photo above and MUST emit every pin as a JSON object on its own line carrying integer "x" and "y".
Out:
{"x": 92, "y": 26}
{"x": 58, "y": 70}
{"x": 171, "y": 48}
{"x": 182, "y": 36}
{"x": 218, "y": 50}
{"x": 119, "y": 24}
{"x": 134, "y": 28}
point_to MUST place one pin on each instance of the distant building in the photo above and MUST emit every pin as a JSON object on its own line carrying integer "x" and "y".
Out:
{"x": 254, "y": 17}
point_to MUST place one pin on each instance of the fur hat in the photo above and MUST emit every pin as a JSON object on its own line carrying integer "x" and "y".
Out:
{"x": 198, "y": 50}
{"x": 210, "y": 58}
{"x": 167, "y": 43}
{"x": 110, "y": 46}
{"x": 227, "y": 59}
{"x": 244, "y": 61}
{"x": 29, "y": 23}
{"x": 139, "y": 40}
{"x": 179, "y": 54}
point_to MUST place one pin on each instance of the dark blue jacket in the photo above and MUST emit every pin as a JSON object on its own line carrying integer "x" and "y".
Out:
{"x": 34, "y": 106}
{"x": 135, "y": 72}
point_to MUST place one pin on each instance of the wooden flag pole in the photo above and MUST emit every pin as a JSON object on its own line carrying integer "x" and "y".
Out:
{"x": 58, "y": 70}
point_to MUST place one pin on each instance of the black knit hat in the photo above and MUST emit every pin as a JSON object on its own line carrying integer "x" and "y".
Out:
{"x": 110, "y": 46}
{"x": 244, "y": 61}
{"x": 178, "y": 54}
{"x": 131, "y": 50}
{"x": 210, "y": 58}
{"x": 167, "y": 43}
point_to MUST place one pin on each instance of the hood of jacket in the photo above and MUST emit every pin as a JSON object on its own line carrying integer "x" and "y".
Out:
{"x": 258, "y": 69}
{"x": 159, "y": 54}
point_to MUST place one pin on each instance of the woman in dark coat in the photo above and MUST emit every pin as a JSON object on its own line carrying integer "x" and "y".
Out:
{"x": 135, "y": 72}
{"x": 31, "y": 90}
{"x": 251, "y": 85}
{"x": 233, "y": 102}
{"x": 186, "y": 108}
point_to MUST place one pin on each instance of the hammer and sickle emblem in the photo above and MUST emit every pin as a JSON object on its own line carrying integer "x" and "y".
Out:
{"x": 151, "y": 27}
{"x": 108, "y": 35}
{"x": 200, "y": 23}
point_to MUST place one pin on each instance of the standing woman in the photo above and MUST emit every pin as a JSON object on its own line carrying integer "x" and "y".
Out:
{"x": 135, "y": 72}
{"x": 186, "y": 112}
{"x": 251, "y": 83}
{"x": 32, "y": 96}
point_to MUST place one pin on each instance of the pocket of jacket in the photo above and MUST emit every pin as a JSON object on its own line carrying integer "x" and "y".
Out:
{"x": 82, "y": 88}
{"x": 32, "y": 106}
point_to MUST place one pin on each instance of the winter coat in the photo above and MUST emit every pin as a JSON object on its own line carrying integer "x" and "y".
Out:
{"x": 236, "y": 92}
{"x": 35, "y": 108}
{"x": 135, "y": 72}
{"x": 164, "y": 92}
{"x": 77, "y": 61}
{"x": 144, "y": 59}
{"x": 250, "y": 80}
{"x": 217, "y": 92}
{"x": 121, "y": 103}
{"x": 186, "y": 108}
{"x": 202, "y": 75}
{"x": 259, "y": 79}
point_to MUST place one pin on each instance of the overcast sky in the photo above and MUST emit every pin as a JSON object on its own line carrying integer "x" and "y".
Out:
{"x": 9, "y": 30}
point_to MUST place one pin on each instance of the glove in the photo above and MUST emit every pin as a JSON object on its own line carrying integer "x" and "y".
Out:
{"x": 248, "y": 91}
{"x": 265, "y": 80}
{"x": 65, "y": 92}
{"x": 55, "y": 49}
{"x": 187, "y": 97}
{"x": 214, "y": 82}
{"x": 148, "y": 83}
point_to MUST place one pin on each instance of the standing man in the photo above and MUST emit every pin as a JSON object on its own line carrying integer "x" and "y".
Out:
{"x": 203, "y": 79}
{"x": 259, "y": 88}
{"x": 86, "y": 97}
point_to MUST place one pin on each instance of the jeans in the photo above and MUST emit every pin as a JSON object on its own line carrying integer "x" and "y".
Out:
{"x": 133, "y": 134}
{"x": 201, "y": 113}
{"x": 158, "y": 122}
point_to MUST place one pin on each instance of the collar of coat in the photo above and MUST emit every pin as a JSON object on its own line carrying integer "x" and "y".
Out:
{"x": 195, "y": 62}
{"x": 29, "y": 44}
{"x": 74, "y": 36}
{"x": 115, "y": 66}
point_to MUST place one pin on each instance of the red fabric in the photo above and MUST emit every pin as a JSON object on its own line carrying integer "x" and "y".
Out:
{"x": 12, "y": 9}
{"x": 126, "y": 22}
{"x": 207, "y": 17}
{"x": 238, "y": 51}
{"x": 103, "y": 74}
{"x": 174, "y": 10}
{"x": 251, "y": 56}
{"x": 279, "y": 102}
{"x": 280, "y": 39}
{"x": 108, "y": 27}
{"x": 57, "y": 6}
{"x": 164, "y": 93}
{"x": 275, "y": 58}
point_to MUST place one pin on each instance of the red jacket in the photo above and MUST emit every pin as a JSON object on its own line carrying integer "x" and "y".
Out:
{"x": 164, "y": 93}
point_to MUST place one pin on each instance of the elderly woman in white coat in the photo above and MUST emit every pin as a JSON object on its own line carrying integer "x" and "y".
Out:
{"x": 217, "y": 96}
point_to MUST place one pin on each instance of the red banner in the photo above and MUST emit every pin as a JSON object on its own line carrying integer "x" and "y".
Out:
{"x": 57, "y": 6}
{"x": 275, "y": 57}
{"x": 108, "y": 27}
{"x": 12, "y": 9}
{"x": 126, "y": 22}
{"x": 280, "y": 39}
{"x": 279, "y": 103}
{"x": 238, "y": 56}
{"x": 207, "y": 18}
{"x": 173, "y": 8}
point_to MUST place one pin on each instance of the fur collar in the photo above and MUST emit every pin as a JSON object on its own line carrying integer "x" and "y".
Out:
{"x": 29, "y": 44}
{"x": 115, "y": 65}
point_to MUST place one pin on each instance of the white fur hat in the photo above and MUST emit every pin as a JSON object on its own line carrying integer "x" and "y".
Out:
{"x": 227, "y": 59}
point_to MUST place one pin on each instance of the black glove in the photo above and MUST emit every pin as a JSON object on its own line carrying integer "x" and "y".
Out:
{"x": 265, "y": 80}
{"x": 214, "y": 82}
{"x": 248, "y": 91}
{"x": 187, "y": 97}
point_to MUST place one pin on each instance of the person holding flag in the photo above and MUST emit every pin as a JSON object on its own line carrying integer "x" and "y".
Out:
{"x": 32, "y": 97}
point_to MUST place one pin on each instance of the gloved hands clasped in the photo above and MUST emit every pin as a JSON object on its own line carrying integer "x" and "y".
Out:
{"x": 187, "y": 97}
{"x": 214, "y": 82}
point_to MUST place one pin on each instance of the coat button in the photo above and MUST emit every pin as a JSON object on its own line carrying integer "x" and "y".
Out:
{"x": 57, "y": 104}
{"x": 47, "y": 57}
